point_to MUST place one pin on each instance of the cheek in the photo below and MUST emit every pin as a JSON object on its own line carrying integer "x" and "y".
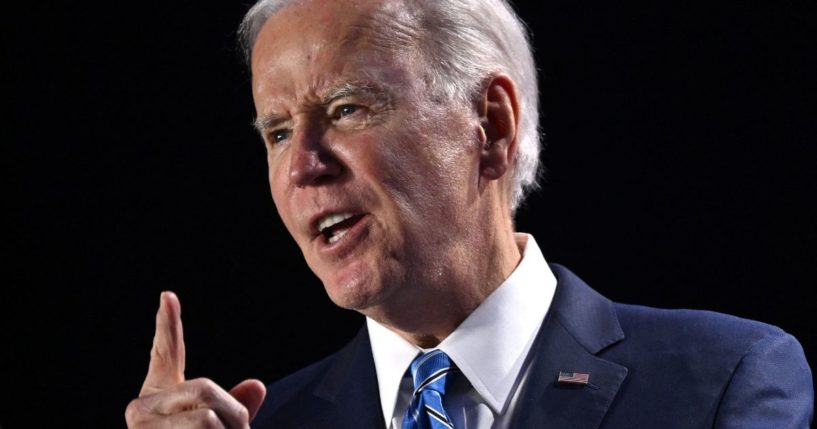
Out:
{"x": 415, "y": 194}
{"x": 393, "y": 167}
{"x": 274, "y": 180}
{"x": 277, "y": 174}
{"x": 277, "y": 185}
{"x": 423, "y": 171}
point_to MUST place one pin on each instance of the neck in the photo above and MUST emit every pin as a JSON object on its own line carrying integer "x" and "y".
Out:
{"x": 431, "y": 311}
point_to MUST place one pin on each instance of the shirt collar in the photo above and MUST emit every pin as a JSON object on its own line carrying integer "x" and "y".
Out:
{"x": 490, "y": 346}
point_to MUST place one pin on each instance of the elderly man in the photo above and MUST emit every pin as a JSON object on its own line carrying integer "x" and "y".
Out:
{"x": 401, "y": 136}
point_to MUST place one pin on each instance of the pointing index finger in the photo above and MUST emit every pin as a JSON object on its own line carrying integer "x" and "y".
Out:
{"x": 167, "y": 355}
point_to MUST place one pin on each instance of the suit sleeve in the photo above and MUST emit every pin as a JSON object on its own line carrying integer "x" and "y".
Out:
{"x": 770, "y": 388}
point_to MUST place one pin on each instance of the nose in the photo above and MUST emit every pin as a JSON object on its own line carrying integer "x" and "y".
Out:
{"x": 312, "y": 161}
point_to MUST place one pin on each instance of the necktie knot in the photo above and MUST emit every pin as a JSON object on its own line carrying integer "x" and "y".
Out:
{"x": 430, "y": 373}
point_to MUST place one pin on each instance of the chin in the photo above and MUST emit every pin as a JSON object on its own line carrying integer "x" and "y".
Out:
{"x": 354, "y": 292}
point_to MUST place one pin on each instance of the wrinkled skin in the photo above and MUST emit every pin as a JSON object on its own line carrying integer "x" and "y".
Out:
{"x": 433, "y": 220}
{"x": 352, "y": 130}
{"x": 168, "y": 401}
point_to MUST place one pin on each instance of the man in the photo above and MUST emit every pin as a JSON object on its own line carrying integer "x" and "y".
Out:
{"x": 401, "y": 136}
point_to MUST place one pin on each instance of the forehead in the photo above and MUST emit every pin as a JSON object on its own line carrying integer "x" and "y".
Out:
{"x": 316, "y": 41}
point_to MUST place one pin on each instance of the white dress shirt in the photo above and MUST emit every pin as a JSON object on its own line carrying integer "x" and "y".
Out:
{"x": 490, "y": 348}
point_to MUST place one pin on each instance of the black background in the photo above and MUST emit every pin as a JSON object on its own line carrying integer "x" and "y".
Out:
{"x": 680, "y": 173}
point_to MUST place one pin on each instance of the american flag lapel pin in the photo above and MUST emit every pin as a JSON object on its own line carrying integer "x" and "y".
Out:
{"x": 575, "y": 378}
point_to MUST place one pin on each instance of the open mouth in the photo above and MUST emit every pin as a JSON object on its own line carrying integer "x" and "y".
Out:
{"x": 335, "y": 226}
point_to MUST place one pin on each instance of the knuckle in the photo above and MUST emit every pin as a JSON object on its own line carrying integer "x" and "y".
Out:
{"x": 201, "y": 382}
{"x": 243, "y": 414}
{"x": 158, "y": 351}
{"x": 207, "y": 389}
{"x": 210, "y": 420}
{"x": 157, "y": 357}
{"x": 134, "y": 412}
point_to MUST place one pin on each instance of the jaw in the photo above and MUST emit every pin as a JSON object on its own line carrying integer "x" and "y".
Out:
{"x": 353, "y": 267}
{"x": 355, "y": 285}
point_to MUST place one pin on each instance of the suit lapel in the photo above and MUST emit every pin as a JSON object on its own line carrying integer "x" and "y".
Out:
{"x": 579, "y": 325}
{"x": 350, "y": 387}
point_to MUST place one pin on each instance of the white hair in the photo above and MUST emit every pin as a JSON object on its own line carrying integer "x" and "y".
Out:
{"x": 465, "y": 42}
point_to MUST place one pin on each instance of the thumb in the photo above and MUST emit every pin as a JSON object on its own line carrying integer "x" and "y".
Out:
{"x": 251, "y": 394}
{"x": 167, "y": 355}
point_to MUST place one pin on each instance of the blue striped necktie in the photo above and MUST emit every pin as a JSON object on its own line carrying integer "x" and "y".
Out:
{"x": 430, "y": 373}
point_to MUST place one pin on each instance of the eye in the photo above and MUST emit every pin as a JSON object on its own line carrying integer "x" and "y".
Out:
{"x": 345, "y": 110}
{"x": 278, "y": 136}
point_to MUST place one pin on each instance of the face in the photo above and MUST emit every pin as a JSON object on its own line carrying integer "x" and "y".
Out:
{"x": 373, "y": 179}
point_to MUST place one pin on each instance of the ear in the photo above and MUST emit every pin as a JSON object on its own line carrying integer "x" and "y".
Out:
{"x": 498, "y": 107}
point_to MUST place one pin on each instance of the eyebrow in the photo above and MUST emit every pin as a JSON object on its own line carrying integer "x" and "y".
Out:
{"x": 343, "y": 90}
{"x": 266, "y": 122}
{"x": 347, "y": 89}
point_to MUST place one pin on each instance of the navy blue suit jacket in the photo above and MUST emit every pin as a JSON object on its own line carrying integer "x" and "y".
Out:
{"x": 649, "y": 368}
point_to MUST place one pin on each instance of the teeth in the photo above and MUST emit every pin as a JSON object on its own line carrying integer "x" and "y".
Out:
{"x": 337, "y": 236}
{"x": 333, "y": 220}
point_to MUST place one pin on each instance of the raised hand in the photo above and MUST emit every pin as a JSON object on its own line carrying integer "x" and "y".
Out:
{"x": 168, "y": 401}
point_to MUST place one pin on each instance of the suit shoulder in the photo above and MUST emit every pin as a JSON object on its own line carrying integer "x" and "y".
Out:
{"x": 717, "y": 365}
{"x": 706, "y": 329}
{"x": 699, "y": 341}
